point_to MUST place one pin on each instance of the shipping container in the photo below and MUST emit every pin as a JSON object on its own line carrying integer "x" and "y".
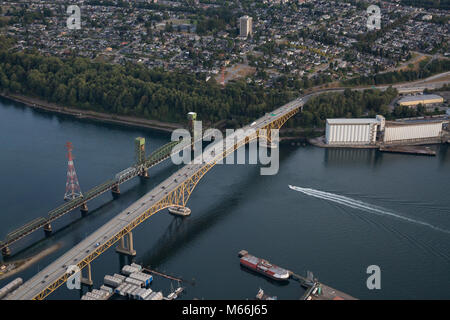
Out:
{"x": 108, "y": 290}
{"x": 112, "y": 281}
{"x": 119, "y": 276}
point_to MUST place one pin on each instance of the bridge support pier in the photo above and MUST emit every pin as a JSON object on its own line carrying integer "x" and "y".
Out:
{"x": 48, "y": 229}
{"x": 126, "y": 245}
{"x": 84, "y": 209}
{"x": 6, "y": 252}
{"x": 144, "y": 174}
{"x": 87, "y": 281}
{"x": 116, "y": 191}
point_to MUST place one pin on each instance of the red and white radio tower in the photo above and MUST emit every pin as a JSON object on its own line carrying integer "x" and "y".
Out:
{"x": 73, "y": 189}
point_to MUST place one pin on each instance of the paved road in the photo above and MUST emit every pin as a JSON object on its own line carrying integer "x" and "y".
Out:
{"x": 100, "y": 237}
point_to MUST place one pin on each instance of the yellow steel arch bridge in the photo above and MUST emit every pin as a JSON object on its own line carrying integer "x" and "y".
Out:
{"x": 175, "y": 191}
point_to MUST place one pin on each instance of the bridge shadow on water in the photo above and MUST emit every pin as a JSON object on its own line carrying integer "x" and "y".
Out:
{"x": 181, "y": 231}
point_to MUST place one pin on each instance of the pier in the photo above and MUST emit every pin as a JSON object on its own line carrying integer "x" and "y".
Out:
{"x": 414, "y": 150}
{"x": 314, "y": 289}
{"x": 167, "y": 276}
{"x": 318, "y": 291}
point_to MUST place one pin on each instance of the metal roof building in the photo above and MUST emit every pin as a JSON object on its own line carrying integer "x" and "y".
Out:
{"x": 412, "y": 131}
{"x": 353, "y": 131}
{"x": 421, "y": 99}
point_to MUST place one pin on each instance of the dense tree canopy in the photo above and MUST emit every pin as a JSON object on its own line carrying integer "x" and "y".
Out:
{"x": 349, "y": 104}
{"x": 134, "y": 90}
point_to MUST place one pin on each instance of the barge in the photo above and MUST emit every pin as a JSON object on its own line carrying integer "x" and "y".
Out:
{"x": 263, "y": 266}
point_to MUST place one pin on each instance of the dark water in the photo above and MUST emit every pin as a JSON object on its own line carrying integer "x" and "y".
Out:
{"x": 235, "y": 208}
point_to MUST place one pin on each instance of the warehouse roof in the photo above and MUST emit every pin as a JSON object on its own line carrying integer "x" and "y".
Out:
{"x": 352, "y": 121}
{"x": 414, "y": 122}
{"x": 420, "y": 98}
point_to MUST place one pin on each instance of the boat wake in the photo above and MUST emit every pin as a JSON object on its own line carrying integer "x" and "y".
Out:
{"x": 356, "y": 204}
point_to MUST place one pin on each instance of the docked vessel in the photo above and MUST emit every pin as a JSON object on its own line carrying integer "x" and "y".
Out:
{"x": 262, "y": 296}
{"x": 180, "y": 211}
{"x": 263, "y": 266}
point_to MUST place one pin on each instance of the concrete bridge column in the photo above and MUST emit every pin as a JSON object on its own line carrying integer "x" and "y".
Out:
{"x": 116, "y": 191}
{"x": 87, "y": 281}
{"x": 6, "y": 252}
{"x": 126, "y": 246}
{"x": 144, "y": 174}
{"x": 84, "y": 209}
{"x": 48, "y": 229}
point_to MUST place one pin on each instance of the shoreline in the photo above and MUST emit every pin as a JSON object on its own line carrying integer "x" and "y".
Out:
{"x": 36, "y": 103}
{"x": 320, "y": 142}
{"x": 28, "y": 262}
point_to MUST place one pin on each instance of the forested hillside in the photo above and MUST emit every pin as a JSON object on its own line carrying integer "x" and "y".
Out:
{"x": 134, "y": 90}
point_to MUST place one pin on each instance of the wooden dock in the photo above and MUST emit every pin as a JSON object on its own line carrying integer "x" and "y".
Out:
{"x": 167, "y": 276}
{"x": 319, "y": 291}
{"x": 323, "y": 292}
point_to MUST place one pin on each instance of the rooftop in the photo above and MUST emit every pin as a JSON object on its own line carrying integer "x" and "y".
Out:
{"x": 352, "y": 121}
{"x": 420, "y": 98}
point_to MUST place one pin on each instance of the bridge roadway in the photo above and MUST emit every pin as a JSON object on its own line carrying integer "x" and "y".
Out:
{"x": 54, "y": 275}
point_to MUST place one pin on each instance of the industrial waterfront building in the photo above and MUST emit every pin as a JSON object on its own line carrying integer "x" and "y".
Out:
{"x": 353, "y": 131}
{"x": 412, "y": 131}
{"x": 376, "y": 132}
{"x": 245, "y": 26}
{"x": 425, "y": 99}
